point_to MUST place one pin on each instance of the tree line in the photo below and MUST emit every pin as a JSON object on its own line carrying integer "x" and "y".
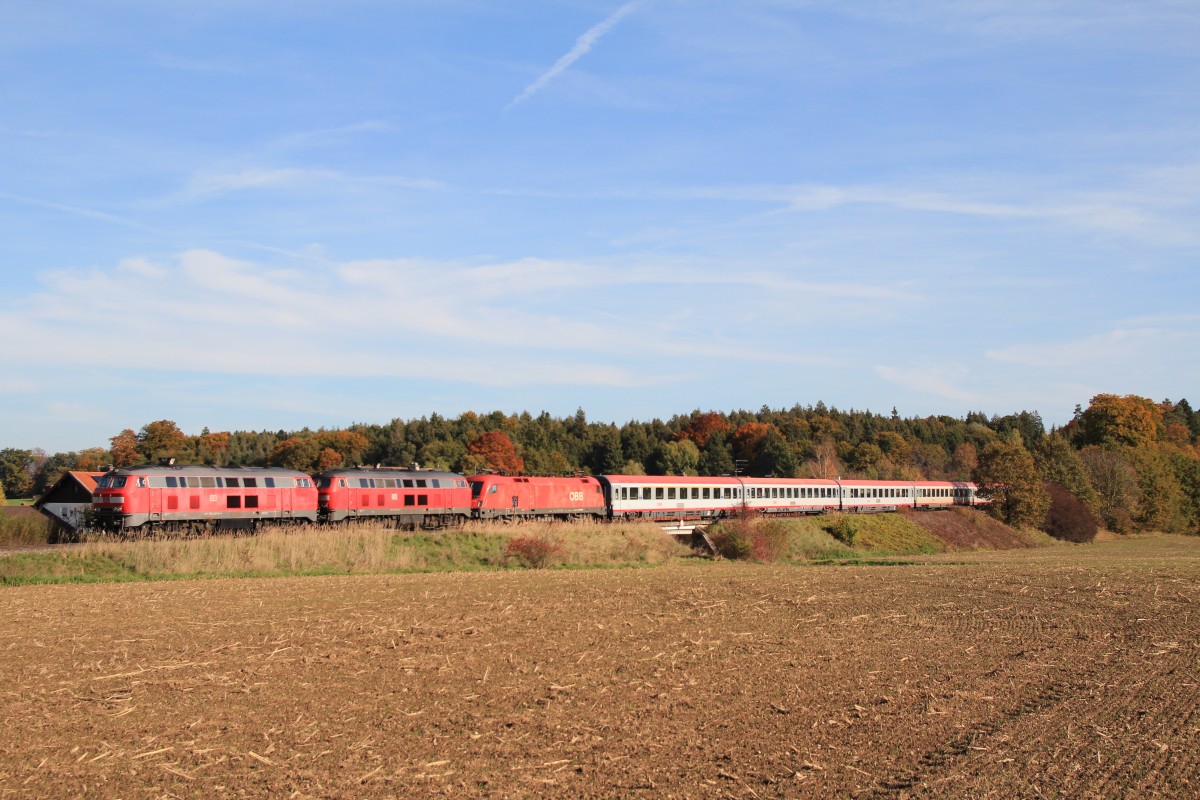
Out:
{"x": 1130, "y": 462}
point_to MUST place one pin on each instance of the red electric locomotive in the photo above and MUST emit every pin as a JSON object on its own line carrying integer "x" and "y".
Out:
{"x": 524, "y": 497}
{"x": 200, "y": 498}
{"x": 404, "y": 497}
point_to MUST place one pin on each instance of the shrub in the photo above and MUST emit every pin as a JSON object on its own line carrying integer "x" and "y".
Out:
{"x": 1068, "y": 518}
{"x": 843, "y": 529}
{"x": 746, "y": 536}
{"x": 533, "y": 552}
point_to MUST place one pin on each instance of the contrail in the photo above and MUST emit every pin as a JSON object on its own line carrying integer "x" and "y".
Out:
{"x": 583, "y": 44}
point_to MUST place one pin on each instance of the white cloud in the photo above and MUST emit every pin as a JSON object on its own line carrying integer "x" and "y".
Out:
{"x": 582, "y": 45}
{"x": 936, "y": 381}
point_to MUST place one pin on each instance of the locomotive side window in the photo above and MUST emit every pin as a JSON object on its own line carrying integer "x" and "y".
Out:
{"x": 420, "y": 483}
{"x": 172, "y": 482}
{"x": 422, "y": 499}
{"x": 251, "y": 500}
{"x": 233, "y": 501}
{"x": 158, "y": 483}
{"x": 232, "y": 483}
{"x": 193, "y": 483}
{"x": 250, "y": 483}
{"x": 269, "y": 483}
{"x": 408, "y": 484}
{"x": 208, "y": 483}
{"x": 495, "y": 487}
{"x": 409, "y": 500}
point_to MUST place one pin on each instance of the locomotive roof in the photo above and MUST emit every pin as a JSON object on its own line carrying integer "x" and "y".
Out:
{"x": 376, "y": 472}
{"x": 203, "y": 469}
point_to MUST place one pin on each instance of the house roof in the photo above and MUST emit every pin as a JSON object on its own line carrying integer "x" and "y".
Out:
{"x": 85, "y": 479}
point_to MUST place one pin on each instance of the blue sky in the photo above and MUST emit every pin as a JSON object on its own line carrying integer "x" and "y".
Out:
{"x": 257, "y": 215}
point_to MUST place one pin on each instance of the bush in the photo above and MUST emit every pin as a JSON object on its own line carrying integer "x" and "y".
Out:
{"x": 533, "y": 552}
{"x": 746, "y": 537}
{"x": 23, "y": 525}
{"x": 1068, "y": 518}
{"x": 843, "y": 529}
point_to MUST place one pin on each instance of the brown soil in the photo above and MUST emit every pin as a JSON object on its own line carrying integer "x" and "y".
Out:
{"x": 1065, "y": 671}
{"x": 967, "y": 529}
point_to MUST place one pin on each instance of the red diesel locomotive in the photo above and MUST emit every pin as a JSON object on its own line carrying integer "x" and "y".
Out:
{"x": 199, "y": 499}
{"x": 404, "y": 497}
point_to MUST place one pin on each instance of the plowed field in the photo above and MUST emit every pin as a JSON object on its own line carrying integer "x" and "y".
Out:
{"x": 1062, "y": 672}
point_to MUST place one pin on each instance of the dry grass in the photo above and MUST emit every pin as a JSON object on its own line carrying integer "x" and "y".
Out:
{"x": 373, "y": 549}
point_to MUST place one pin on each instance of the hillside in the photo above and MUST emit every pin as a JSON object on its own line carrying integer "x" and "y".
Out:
{"x": 968, "y": 529}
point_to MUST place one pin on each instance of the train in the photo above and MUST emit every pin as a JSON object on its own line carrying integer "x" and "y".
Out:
{"x": 199, "y": 499}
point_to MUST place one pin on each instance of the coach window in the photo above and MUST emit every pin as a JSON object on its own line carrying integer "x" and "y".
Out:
{"x": 624, "y": 494}
{"x": 671, "y": 493}
{"x": 658, "y": 493}
{"x": 695, "y": 492}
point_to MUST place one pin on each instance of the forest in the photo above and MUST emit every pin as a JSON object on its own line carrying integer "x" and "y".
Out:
{"x": 1126, "y": 462}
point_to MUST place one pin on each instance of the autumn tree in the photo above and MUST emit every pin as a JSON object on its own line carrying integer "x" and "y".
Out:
{"x": 124, "y": 449}
{"x": 824, "y": 463}
{"x": 92, "y": 459}
{"x": 161, "y": 439}
{"x": 964, "y": 461}
{"x": 1163, "y": 507}
{"x": 1067, "y": 518}
{"x": 1110, "y": 420}
{"x": 1007, "y": 476}
{"x": 494, "y": 450}
{"x": 212, "y": 447}
{"x": 1059, "y": 463}
{"x": 703, "y": 427}
{"x": 1116, "y": 483}
{"x": 299, "y": 453}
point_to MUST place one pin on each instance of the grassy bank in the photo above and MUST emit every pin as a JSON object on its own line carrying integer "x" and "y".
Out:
{"x": 324, "y": 551}
{"x": 23, "y": 525}
{"x": 824, "y": 538}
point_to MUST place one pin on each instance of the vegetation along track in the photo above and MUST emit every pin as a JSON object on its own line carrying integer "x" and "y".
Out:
{"x": 1062, "y": 672}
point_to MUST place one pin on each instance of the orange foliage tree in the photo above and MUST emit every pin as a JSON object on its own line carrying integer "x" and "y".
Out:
{"x": 1111, "y": 420}
{"x": 494, "y": 450}
{"x": 703, "y": 427}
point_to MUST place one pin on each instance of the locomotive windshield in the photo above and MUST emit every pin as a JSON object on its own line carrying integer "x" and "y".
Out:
{"x": 112, "y": 482}
{"x": 476, "y": 488}
{"x": 324, "y": 482}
